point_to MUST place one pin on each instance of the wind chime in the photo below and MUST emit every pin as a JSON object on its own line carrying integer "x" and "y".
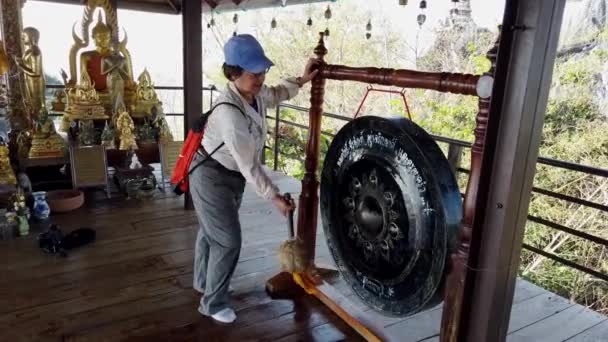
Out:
{"x": 327, "y": 15}
{"x": 235, "y": 20}
{"x": 211, "y": 22}
{"x": 421, "y": 17}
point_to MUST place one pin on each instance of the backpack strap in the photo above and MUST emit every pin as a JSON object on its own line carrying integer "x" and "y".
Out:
{"x": 202, "y": 122}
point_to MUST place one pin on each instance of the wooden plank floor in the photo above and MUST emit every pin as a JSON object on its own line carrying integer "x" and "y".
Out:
{"x": 135, "y": 283}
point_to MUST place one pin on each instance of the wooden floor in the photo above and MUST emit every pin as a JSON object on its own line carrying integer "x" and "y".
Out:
{"x": 135, "y": 283}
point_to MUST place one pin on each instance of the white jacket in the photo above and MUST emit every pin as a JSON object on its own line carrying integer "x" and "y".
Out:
{"x": 244, "y": 137}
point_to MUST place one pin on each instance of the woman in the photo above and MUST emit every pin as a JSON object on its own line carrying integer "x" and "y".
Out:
{"x": 217, "y": 186}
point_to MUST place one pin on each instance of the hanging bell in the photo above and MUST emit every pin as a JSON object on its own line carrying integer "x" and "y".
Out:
{"x": 235, "y": 19}
{"x": 208, "y": 25}
{"x": 326, "y": 33}
{"x": 273, "y": 23}
{"x": 368, "y": 35}
{"x": 423, "y": 4}
{"x": 402, "y": 2}
{"x": 328, "y": 13}
{"x": 421, "y": 19}
{"x": 369, "y": 26}
{"x": 212, "y": 22}
{"x": 234, "y": 34}
{"x": 309, "y": 21}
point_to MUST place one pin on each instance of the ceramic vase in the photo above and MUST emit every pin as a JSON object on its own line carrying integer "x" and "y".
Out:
{"x": 41, "y": 207}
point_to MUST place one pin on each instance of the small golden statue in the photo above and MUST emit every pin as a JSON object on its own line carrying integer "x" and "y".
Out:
{"x": 58, "y": 104}
{"x": 46, "y": 142}
{"x": 125, "y": 127}
{"x": 31, "y": 65}
{"x": 83, "y": 103}
{"x": 146, "y": 98}
{"x": 7, "y": 174}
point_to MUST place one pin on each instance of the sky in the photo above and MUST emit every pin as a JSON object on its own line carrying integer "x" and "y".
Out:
{"x": 155, "y": 40}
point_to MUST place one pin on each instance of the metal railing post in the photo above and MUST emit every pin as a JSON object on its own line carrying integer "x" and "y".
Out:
{"x": 276, "y": 138}
{"x": 454, "y": 156}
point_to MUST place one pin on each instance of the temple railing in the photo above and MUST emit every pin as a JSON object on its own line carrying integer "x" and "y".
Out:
{"x": 455, "y": 150}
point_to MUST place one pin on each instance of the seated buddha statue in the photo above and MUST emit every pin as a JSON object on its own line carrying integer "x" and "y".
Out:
{"x": 145, "y": 98}
{"x": 125, "y": 128}
{"x": 46, "y": 142}
{"x": 107, "y": 68}
{"x": 7, "y": 174}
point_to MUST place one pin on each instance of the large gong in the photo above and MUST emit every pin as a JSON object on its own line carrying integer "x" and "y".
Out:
{"x": 391, "y": 209}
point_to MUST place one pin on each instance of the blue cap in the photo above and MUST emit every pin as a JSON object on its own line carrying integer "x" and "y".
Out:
{"x": 245, "y": 51}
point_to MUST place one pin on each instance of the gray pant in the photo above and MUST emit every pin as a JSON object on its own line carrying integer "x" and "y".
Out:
{"x": 216, "y": 194}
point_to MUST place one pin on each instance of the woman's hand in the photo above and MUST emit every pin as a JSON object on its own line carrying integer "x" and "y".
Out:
{"x": 284, "y": 205}
{"x": 308, "y": 73}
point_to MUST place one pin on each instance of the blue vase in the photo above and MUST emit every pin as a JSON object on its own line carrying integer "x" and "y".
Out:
{"x": 41, "y": 207}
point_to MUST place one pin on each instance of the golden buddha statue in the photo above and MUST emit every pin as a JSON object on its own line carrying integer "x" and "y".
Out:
{"x": 91, "y": 61}
{"x": 146, "y": 98}
{"x": 125, "y": 127}
{"x": 7, "y": 174}
{"x": 46, "y": 142}
{"x": 31, "y": 65}
{"x": 108, "y": 67}
{"x": 83, "y": 103}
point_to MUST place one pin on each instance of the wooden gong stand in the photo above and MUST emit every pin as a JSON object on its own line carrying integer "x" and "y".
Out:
{"x": 311, "y": 282}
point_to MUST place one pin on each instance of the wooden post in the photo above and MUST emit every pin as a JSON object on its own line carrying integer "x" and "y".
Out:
{"x": 193, "y": 67}
{"x": 12, "y": 28}
{"x": 523, "y": 78}
{"x": 282, "y": 285}
{"x": 452, "y": 309}
{"x": 309, "y": 200}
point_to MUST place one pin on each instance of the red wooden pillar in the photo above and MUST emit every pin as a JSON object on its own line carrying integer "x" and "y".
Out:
{"x": 309, "y": 199}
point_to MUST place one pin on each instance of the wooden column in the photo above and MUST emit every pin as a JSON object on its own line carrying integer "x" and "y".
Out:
{"x": 309, "y": 199}
{"x": 452, "y": 309}
{"x": 524, "y": 71}
{"x": 481, "y": 283}
{"x": 193, "y": 67}
{"x": 12, "y": 28}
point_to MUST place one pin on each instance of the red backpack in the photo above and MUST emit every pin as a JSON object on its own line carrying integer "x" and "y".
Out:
{"x": 182, "y": 170}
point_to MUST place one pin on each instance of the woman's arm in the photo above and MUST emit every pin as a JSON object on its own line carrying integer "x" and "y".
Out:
{"x": 288, "y": 88}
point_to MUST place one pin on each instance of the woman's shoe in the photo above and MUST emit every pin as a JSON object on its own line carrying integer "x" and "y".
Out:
{"x": 226, "y": 315}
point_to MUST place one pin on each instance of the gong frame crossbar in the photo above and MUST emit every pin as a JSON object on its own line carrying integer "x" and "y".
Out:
{"x": 464, "y": 84}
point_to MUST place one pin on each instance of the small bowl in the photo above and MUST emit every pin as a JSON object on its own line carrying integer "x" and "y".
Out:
{"x": 61, "y": 201}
